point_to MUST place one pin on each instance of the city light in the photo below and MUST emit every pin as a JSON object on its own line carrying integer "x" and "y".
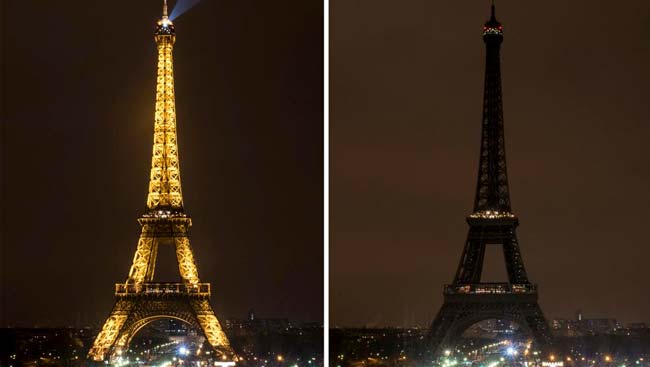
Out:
{"x": 553, "y": 364}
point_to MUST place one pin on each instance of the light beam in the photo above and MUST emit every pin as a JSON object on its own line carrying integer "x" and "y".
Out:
{"x": 181, "y": 7}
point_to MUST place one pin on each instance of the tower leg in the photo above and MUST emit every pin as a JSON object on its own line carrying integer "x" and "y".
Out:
{"x": 512, "y": 256}
{"x": 111, "y": 329}
{"x": 186, "y": 263}
{"x": 538, "y": 327}
{"x": 211, "y": 328}
{"x": 438, "y": 333}
{"x": 144, "y": 259}
{"x": 471, "y": 262}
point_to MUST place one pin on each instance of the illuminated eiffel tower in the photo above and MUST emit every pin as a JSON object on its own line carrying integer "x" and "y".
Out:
{"x": 139, "y": 300}
{"x": 469, "y": 300}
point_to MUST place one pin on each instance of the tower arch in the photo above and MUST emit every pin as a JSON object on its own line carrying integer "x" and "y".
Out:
{"x": 130, "y": 330}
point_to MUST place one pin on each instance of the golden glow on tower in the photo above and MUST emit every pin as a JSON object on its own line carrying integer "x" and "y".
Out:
{"x": 139, "y": 300}
{"x": 165, "y": 179}
{"x": 106, "y": 337}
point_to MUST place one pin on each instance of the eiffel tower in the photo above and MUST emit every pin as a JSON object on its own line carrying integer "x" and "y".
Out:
{"x": 139, "y": 300}
{"x": 468, "y": 299}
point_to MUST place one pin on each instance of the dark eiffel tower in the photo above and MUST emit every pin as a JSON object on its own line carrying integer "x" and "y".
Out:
{"x": 468, "y": 300}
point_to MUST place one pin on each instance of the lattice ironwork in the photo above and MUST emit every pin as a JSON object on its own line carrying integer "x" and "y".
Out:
{"x": 185, "y": 257}
{"x": 460, "y": 311}
{"x": 468, "y": 299}
{"x": 165, "y": 178}
{"x": 139, "y": 300}
{"x": 125, "y": 289}
{"x": 492, "y": 192}
{"x": 132, "y": 312}
{"x": 491, "y": 231}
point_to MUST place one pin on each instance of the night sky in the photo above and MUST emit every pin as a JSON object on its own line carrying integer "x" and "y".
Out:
{"x": 406, "y": 83}
{"x": 78, "y": 90}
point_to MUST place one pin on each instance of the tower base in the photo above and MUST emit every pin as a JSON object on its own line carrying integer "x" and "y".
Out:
{"x": 466, "y": 305}
{"x": 133, "y": 311}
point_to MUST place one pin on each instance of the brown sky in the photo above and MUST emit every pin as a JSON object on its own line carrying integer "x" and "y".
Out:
{"x": 406, "y": 93}
{"x": 406, "y": 84}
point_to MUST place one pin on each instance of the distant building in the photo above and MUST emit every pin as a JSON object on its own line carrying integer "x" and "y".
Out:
{"x": 597, "y": 326}
{"x": 254, "y": 324}
{"x": 638, "y": 325}
{"x": 636, "y": 329}
{"x": 564, "y": 327}
{"x": 584, "y": 326}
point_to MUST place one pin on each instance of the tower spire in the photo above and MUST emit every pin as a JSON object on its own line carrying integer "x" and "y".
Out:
{"x": 165, "y": 178}
{"x": 492, "y": 191}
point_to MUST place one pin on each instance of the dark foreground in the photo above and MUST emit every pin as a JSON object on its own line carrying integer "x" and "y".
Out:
{"x": 261, "y": 346}
{"x": 408, "y": 347}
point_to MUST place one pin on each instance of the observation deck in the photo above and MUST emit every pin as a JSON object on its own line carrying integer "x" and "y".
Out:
{"x": 490, "y": 288}
{"x": 130, "y": 289}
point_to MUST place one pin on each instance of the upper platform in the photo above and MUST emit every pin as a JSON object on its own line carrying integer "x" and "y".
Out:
{"x": 162, "y": 289}
{"x": 490, "y": 288}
